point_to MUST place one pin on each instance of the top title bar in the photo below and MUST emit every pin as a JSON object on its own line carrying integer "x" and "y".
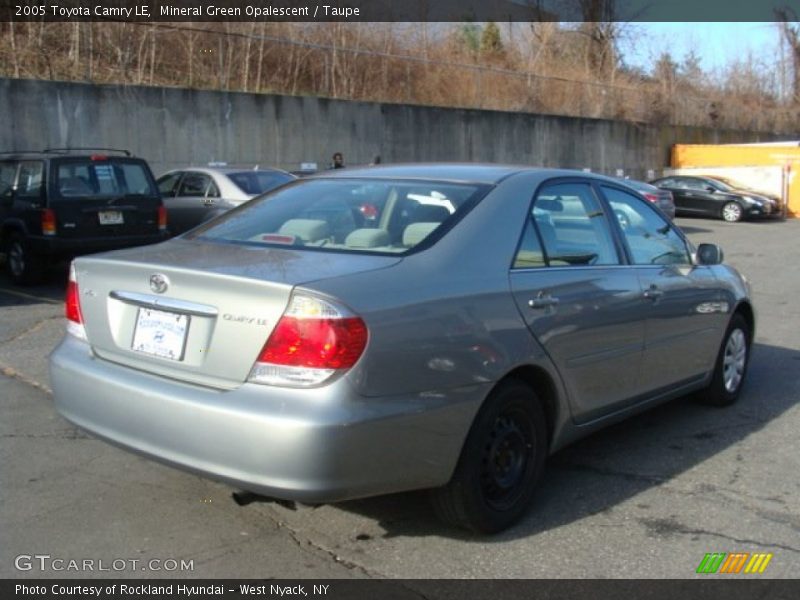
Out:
{"x": 400, "y": 10}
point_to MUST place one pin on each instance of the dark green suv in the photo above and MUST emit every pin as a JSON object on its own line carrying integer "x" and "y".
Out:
{"x": 60, "y": 203}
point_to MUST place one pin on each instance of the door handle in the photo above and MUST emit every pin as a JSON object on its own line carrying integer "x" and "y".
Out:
{"x": 543, "y": 301}
{"x": 208, "y": 202}
{"x": 652, "y": 293}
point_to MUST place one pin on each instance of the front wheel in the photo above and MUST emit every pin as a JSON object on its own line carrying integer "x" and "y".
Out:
{"x": 732, "y": 212}
{"x": 500, "y": 464}
{"x": 731, "y": 365}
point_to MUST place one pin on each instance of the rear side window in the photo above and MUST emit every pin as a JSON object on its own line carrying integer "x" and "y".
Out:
{"x": 8, "y": 171}
{"x": 194, "y": 184}
{"x": 348, "y": 215}
{"x": 31, "y": 177}
{"x": 567, "y": 227}
{"x": 86, "y": 178}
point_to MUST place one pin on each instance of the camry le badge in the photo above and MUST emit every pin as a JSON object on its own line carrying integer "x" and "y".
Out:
{"x": 159, "y": 283}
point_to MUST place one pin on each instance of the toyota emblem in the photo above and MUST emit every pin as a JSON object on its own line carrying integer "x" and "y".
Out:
{"x": 159, "y": 283}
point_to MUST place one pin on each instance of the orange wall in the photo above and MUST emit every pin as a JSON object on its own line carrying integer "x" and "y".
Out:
{"x": 695, "y": 155}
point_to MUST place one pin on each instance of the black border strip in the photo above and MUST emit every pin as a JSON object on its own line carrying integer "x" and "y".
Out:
{"x": 400, "y": 10}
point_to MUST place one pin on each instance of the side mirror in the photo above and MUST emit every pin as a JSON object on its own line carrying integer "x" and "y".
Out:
{"x": 709, "y": 254}
{"x": 711, "y": 189}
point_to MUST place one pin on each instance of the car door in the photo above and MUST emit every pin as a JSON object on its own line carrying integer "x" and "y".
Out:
{"x": 703, "y": 197}
{"x": 577, "y": 299}
{"x": 192, "y": 203}
{"x": 685, "y": 313}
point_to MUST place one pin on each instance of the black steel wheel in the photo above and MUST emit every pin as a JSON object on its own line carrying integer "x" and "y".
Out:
{"x": 500, "y": 464}
{"x": 24, "y": 267}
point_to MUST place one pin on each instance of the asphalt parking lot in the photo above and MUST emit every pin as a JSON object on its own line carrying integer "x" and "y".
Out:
{"x": 647, "y": 498}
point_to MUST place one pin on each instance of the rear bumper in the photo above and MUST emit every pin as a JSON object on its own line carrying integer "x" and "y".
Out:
{"x": 66, "y": 247}
{"x": 319, "y": 445}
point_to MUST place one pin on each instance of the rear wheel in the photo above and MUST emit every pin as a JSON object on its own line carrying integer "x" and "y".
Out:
{"x": 732, "y": 212}
{"x": 731, "y": 365}
{"x": 24, "y": 267}
{"x": 500, "y": 464}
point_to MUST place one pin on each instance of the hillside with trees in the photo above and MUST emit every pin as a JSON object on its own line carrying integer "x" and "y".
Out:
{"x": 566, "y": 69}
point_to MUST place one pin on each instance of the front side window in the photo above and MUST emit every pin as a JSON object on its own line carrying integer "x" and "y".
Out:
{"x": 650, "y": 238}
{"x": 167, "y": 183}
{"x": 571, "y": 228}
{"x": 347, "y": 215}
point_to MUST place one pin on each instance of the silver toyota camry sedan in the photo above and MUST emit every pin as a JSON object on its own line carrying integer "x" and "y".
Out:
{"x": 393, "y": 328}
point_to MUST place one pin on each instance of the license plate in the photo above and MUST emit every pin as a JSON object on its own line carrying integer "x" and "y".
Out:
{"x": 160, "y": 333}
{"x": 110, "y": 217}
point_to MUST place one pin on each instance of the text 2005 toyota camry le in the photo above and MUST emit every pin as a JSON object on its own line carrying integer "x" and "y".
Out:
{"x": 400, "y": 327}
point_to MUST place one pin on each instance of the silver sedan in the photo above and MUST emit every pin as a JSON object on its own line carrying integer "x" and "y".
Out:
{"x": 401, "y": 327}
{"x": 196, "y": 194}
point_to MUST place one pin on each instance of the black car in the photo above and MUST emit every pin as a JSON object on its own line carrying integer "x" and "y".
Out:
{"x": 708, "y": 196}
{"x": 60, "y": 203}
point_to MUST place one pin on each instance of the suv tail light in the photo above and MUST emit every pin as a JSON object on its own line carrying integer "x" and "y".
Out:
{"x": 162, "y": 218}
{"x": 48, "y": 221}
{"x": 313, "y": 340}
{"x": 651, "y": 197}
{"x": 72, "y": 307}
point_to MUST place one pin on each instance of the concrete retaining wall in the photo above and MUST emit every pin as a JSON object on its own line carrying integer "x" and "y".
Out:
{"x": 173, "y": 127}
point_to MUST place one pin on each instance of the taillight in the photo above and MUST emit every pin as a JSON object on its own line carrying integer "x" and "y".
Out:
{"x": 72, "y": 307}
{"x": 313, "y": 340}
{"x": 48, "y": 221}
{"x": 162, "y": 218}
{"x": 651, "y": 197}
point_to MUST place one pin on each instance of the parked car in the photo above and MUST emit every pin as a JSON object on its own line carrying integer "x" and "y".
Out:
{"x": 706, "y": 196}
{"x": 376, "y": 330}
{"x": 59, "y": 203}
{"x": 661, "y": 198}
{"x": 195, "y": 195}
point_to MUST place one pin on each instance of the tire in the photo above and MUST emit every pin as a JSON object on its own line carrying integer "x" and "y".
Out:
{"x": 731, "y": 366}
{"x": 500, "y": 463}
{"x": 24, "y": 267}
{"x": 732, "y": 212}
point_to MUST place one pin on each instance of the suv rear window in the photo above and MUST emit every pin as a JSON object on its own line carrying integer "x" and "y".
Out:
{"x": 349, "y": 215}
{"x": 87, "y": 178}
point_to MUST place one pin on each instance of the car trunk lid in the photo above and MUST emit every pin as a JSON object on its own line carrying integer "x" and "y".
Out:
{"x": 194, "y": 311}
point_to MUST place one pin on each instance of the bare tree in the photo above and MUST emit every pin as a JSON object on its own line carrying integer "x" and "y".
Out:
{"x": 790, "y": 29}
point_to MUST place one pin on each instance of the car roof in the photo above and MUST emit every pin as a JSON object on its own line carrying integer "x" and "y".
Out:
{"x": 66, "y": 153}
{"x": 228, "y": 170}
{"x": 457, "y": 172}
{"x": 638, "y": 185}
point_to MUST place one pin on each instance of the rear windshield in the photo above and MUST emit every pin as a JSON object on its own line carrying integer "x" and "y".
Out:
{"x": 258, "y": 182}
{"x": 347, "y": 215}
{"x": 87, "y": 179}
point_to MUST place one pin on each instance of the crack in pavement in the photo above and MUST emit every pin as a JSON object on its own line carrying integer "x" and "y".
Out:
{"x": 32, "y": 329}
{"x": 303, "y": 541}
{"x": 12, "y": 373}
{"x": 665, "y": 527}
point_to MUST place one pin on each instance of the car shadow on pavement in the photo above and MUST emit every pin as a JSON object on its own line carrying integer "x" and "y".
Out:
{"x": 600, "y": 472}
{"x": 50, "y": 290}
